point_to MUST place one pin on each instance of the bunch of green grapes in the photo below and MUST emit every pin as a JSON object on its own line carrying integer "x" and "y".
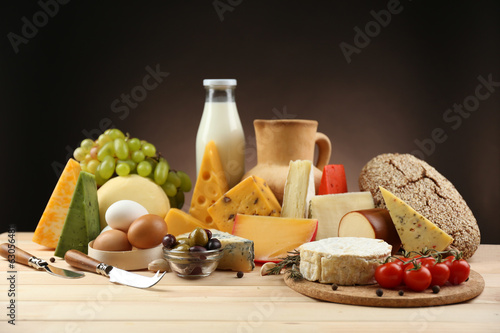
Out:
{"x": 114, "y": 154}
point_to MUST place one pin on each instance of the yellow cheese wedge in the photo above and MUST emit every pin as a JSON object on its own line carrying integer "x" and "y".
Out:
{"x": 179, "y": 222}
{"x": 416, "y": 232}
{"x": 51, "y": 223}
{"x": 210, "y": 185}
{"x": 274, "y": 237}
{"x": 252, "y": 196}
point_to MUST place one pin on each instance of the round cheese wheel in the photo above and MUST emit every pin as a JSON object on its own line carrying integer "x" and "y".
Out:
{"x": 136, "y": 188}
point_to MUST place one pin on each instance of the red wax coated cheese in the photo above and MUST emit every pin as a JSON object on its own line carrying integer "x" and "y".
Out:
{"x": 333, "y": 180}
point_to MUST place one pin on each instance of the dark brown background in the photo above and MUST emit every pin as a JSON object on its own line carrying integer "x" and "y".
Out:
{"x": 286, "y": 57}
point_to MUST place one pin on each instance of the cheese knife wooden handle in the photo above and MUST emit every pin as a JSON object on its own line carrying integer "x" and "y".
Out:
{"x": 9, "y": 251}
{"x": 81, "y": 260}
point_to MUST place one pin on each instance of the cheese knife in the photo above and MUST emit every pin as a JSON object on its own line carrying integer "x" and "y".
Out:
{"x": 10, "y": 251}
{"x": 82, "y": 261}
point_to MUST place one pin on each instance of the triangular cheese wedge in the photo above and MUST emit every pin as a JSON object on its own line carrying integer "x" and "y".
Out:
{"x": 416, "y": 232}
{"x": 82, "y": 223}
{"x": 210, "y": 185}
{"x": 51, "y": 223}
{"x": 299, "y": 190}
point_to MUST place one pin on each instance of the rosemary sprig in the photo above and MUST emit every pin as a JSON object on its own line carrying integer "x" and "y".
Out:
{"x": 291, "y": 261}
{"x": 294, "y": 274}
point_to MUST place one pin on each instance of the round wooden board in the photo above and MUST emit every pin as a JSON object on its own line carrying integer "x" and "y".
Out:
{"x": 365, "y": 295}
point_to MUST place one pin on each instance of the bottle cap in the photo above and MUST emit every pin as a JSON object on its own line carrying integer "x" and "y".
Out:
{"x": 219, "y": 82}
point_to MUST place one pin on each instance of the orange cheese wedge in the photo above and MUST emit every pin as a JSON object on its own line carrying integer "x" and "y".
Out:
{"x": 52, "y": 221}
{"x": 179, "y": 222}
{"x": 274, "y": 237}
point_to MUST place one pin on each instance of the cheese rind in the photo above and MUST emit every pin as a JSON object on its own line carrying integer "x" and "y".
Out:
{"x": 370, "y": 223}
{"x": 330, "y": 208}
{"x": 51, "y": 223}
{"x": 342, "y": 260}
{"x": 210, "y": 185}
{"x": 274, "y": 236}
{"x": 299, "y": 189}
{"x": 238, "y": 252}
{"x": 415, "y": 231}
{"x": 82, "y": 222}
{"x": 251, "y": 196}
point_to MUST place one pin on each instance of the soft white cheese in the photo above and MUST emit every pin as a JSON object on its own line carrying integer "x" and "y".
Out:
{"x": 342, "y": 260}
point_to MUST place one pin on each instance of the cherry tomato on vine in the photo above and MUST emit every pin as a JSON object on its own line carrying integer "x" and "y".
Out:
{"x": 427, "y": 261}
{"x": 417, "y": 278}
{"x": 459, "y": 271}
{"x": 440, "y": 273}
{"x": 389, "y": 275}
{"x": 449, "y": 260}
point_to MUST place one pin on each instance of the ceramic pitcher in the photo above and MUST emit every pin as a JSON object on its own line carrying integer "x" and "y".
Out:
{"x": 280, "y": 141}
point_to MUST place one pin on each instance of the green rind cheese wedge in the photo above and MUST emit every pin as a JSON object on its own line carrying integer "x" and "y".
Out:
{"x": 82, "y": 222}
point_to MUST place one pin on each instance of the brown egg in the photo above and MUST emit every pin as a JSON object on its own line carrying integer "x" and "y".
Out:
{"x": 112, "y": 240}
{"x": 147, "y": 231}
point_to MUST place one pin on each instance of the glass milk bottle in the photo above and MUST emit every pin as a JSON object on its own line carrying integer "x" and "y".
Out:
{"x": 221, "y": 123}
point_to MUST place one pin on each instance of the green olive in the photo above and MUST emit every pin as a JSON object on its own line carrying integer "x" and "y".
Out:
{"x": 185, "y": 240}
{"x": 199, "y": 237}
{"x": 181, "y": 247}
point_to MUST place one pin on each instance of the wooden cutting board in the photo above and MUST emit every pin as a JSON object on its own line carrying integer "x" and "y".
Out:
{"x": 365, "y": 295}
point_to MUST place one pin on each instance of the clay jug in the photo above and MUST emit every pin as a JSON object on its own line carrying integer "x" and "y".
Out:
{"x": 280, "y": 141}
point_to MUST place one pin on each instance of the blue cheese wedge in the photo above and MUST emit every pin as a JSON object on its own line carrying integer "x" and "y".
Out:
{"x": 299, "y": 189}
{"x": 238, "y": 252}
{"x": 345, "y": 261}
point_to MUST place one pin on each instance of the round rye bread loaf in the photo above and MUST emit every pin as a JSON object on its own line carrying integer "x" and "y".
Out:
{"x": 425, "y": 190}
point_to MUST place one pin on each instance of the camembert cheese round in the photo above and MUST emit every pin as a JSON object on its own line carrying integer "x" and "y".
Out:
{"x": 343, "y": 260}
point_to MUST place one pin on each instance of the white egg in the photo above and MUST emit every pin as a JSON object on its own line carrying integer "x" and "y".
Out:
{"x": 122, "y": 213}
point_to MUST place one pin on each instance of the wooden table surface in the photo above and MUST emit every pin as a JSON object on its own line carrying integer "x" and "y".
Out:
{"x": 221, "y": 303}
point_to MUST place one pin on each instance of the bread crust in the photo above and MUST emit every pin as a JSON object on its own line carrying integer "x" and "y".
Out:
{"x": 425, "y": 190}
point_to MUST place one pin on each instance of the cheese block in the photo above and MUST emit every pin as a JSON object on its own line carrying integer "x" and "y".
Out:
{"x": 82, "y": 222}
{"x": 299, "y": 189}
{"x": 51, "y": 223}
{"x": 333, "y": 180}
{"x": 251, "y": 196}
{"x": 416, "y": 232}
{"x": 238, "y": 251}
{"x": 179, "y": 222}
{"x": 274, "y": 237}
{"x": 330, "y": 208}
{"x": 210, "y": 185}
{"x": 370, "y": 223}
{"x": 344, "y": 261}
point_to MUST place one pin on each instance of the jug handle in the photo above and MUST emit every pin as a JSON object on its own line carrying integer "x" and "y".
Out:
{"x": 324, "y": 150}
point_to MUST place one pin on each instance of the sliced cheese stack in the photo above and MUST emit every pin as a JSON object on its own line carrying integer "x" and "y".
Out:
{"x": 82, "y": 222}
{"x": 210, "y": 185}
{"x": 370, "y": 223}
{"x": 342, "y": 260}
{"x": 251, "y": 196}
{"x": 329, "y": 210}
{"x": 416, "y": 232}
{"x": 333, "y": 180}
{"x": 273, "y": 236}
{"x": 299, "y": 189}
{"x": 51, "y": 223}
{"x": 179, "y": 222}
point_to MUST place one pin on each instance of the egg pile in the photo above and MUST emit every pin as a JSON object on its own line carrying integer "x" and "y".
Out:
{"x": 130, "y": 226}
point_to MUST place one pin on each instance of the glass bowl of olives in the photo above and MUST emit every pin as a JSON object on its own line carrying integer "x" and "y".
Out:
{"x": 192, "y": 255}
